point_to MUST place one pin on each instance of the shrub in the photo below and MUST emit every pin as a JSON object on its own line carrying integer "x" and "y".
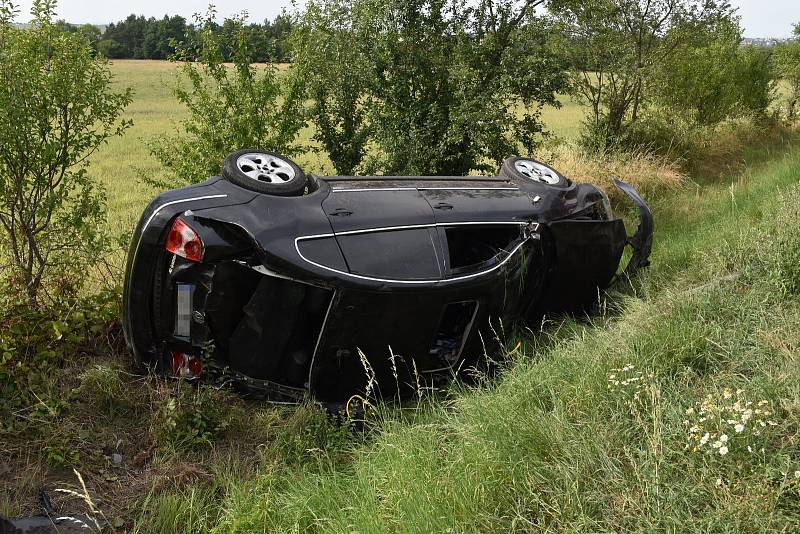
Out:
{"x": 616, "y": 50}
{"x": 56, "y": 109}
{"x": 36, "y": 342}
{"x": 230, "y": 107}
{"x": 786, "y": 58}
{"x": 336, "y": 77}
{"x": 434, "y": 87}
{"x": 188, "y": 417}
{"x": 713, "y": 77}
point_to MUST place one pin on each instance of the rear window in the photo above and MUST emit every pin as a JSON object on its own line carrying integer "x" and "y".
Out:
{"x": 472, "y": 247}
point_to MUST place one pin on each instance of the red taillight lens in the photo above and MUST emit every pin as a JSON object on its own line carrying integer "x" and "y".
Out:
{"x": 184, "y": 241}
{"x": 186, "y": 365}
{"x": 195, "y": 366}
{"x": 178, "y": 362}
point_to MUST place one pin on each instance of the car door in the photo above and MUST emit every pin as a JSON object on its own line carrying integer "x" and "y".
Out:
{"x": 386, "y": 235}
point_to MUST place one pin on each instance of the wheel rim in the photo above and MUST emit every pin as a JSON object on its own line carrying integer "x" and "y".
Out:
{"x": 537, "y": 172}
{"x": 265, "y": 168}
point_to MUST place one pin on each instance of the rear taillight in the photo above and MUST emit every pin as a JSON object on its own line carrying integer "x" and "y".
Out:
{"x": 186, "y": 365}
{"x": 184, "y": 241}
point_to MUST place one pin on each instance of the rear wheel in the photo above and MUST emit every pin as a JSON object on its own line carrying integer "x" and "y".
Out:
{"x": 530, "y": 169}
{"x": 264, "y": 172}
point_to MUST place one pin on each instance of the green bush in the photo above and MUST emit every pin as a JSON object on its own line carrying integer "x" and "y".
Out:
{"x": 229, "y": 107}
{"x": 35, "y": 343}
{"x": 431, "y": 87}
{"x": 56, "y": 109}
{"x": 713, "y": 77}
{"x": 786, "y": 59}
{"x": 188, "y": 416}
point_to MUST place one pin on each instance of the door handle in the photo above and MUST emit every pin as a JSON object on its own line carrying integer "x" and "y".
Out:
{"x": 443, "y": 206}
{"x": 340, "y": 212}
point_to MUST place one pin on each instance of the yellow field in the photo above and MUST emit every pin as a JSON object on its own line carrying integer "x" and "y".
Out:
{"x": 124, "y": 161}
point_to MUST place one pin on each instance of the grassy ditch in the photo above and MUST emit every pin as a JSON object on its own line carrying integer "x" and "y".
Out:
{"x": 594, "y": 425}
{"x": 679, "y": 410}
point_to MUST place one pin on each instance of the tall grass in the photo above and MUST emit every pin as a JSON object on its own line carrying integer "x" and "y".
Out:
{"x": 589, "y": 430}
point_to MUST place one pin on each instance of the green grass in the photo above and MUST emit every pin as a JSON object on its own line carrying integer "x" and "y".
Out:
{"x": 547, "y": 446}
{"x": 553, "y": 445}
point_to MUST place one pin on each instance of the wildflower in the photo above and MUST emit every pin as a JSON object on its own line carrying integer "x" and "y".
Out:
{"x": 749, "y": 449}
{"x": 704, "y": 439}
{"x": 689, "y": 411}
{"x": 727, "y": 393}
{"x": 723, "y": 438}
{"x": 723, "y": 450}
{"x": 739, "y": 428}
{"x": 718, "y": 482}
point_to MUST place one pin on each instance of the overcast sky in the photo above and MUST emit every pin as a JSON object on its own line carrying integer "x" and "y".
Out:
{"x": 760, "y": 18}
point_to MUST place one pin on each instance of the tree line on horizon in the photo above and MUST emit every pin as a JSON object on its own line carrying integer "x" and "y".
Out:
{"x": 139, "y": 37}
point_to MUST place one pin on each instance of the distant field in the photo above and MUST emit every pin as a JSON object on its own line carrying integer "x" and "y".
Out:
{"x": 122, "y": 163}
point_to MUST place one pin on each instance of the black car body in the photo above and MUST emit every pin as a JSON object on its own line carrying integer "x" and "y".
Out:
{"x": 381, "y": 280}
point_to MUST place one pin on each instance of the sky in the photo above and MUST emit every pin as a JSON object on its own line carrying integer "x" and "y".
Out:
{"x": 760, "y": 18}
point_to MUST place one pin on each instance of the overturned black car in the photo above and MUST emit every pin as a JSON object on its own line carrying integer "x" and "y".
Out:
{"x": 293, "y": 286}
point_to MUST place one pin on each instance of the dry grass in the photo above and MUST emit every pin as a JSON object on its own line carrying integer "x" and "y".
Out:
{"x": 723, "y": 151}
{"x": 651, "y": 175}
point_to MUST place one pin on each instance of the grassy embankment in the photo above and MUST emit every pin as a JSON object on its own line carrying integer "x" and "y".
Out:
{"x": 600, "y": 424}
{"x": 553, "y": 443}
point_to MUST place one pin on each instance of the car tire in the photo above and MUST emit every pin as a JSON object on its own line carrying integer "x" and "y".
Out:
{"x": 264, "y": 172}
{"x": 536, "y": 171}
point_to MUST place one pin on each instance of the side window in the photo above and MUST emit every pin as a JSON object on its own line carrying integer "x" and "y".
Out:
{"x": 408, "y": 254}
{"x": 471, "y": 248}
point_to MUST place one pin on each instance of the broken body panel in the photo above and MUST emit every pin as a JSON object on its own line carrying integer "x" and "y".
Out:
{"x": 388, "y": 280}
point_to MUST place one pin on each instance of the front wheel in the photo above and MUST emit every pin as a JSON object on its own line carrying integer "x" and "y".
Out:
{"x": 264, "y": 172}
{"x": 530, "y": 169}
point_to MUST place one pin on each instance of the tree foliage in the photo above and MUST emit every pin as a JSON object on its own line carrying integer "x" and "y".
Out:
{"x": 336, "y": 78}
{"x": 436, "y": 87}
{"x": 56, "y": 109}
{"x": 229, "y": 107}
{"x": 787, "y": 67}
{"x": 624, "y": 52}
{"x": 712, "y": 76}
{"x": 139, "y": 37}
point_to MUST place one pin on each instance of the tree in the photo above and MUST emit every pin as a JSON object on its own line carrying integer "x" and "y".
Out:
{"x": 228, "y": 108}
{"x": 442, "y": 87}
{"x": 336, "y": 75}
{"x": 786, "y": 58}
{"x": 56, "y": 109}
{"x": 712, "y": 77}
{"x": 92, "y": 33}
{"x": 111, "y": 49}
{"x": 617, "y": 46}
